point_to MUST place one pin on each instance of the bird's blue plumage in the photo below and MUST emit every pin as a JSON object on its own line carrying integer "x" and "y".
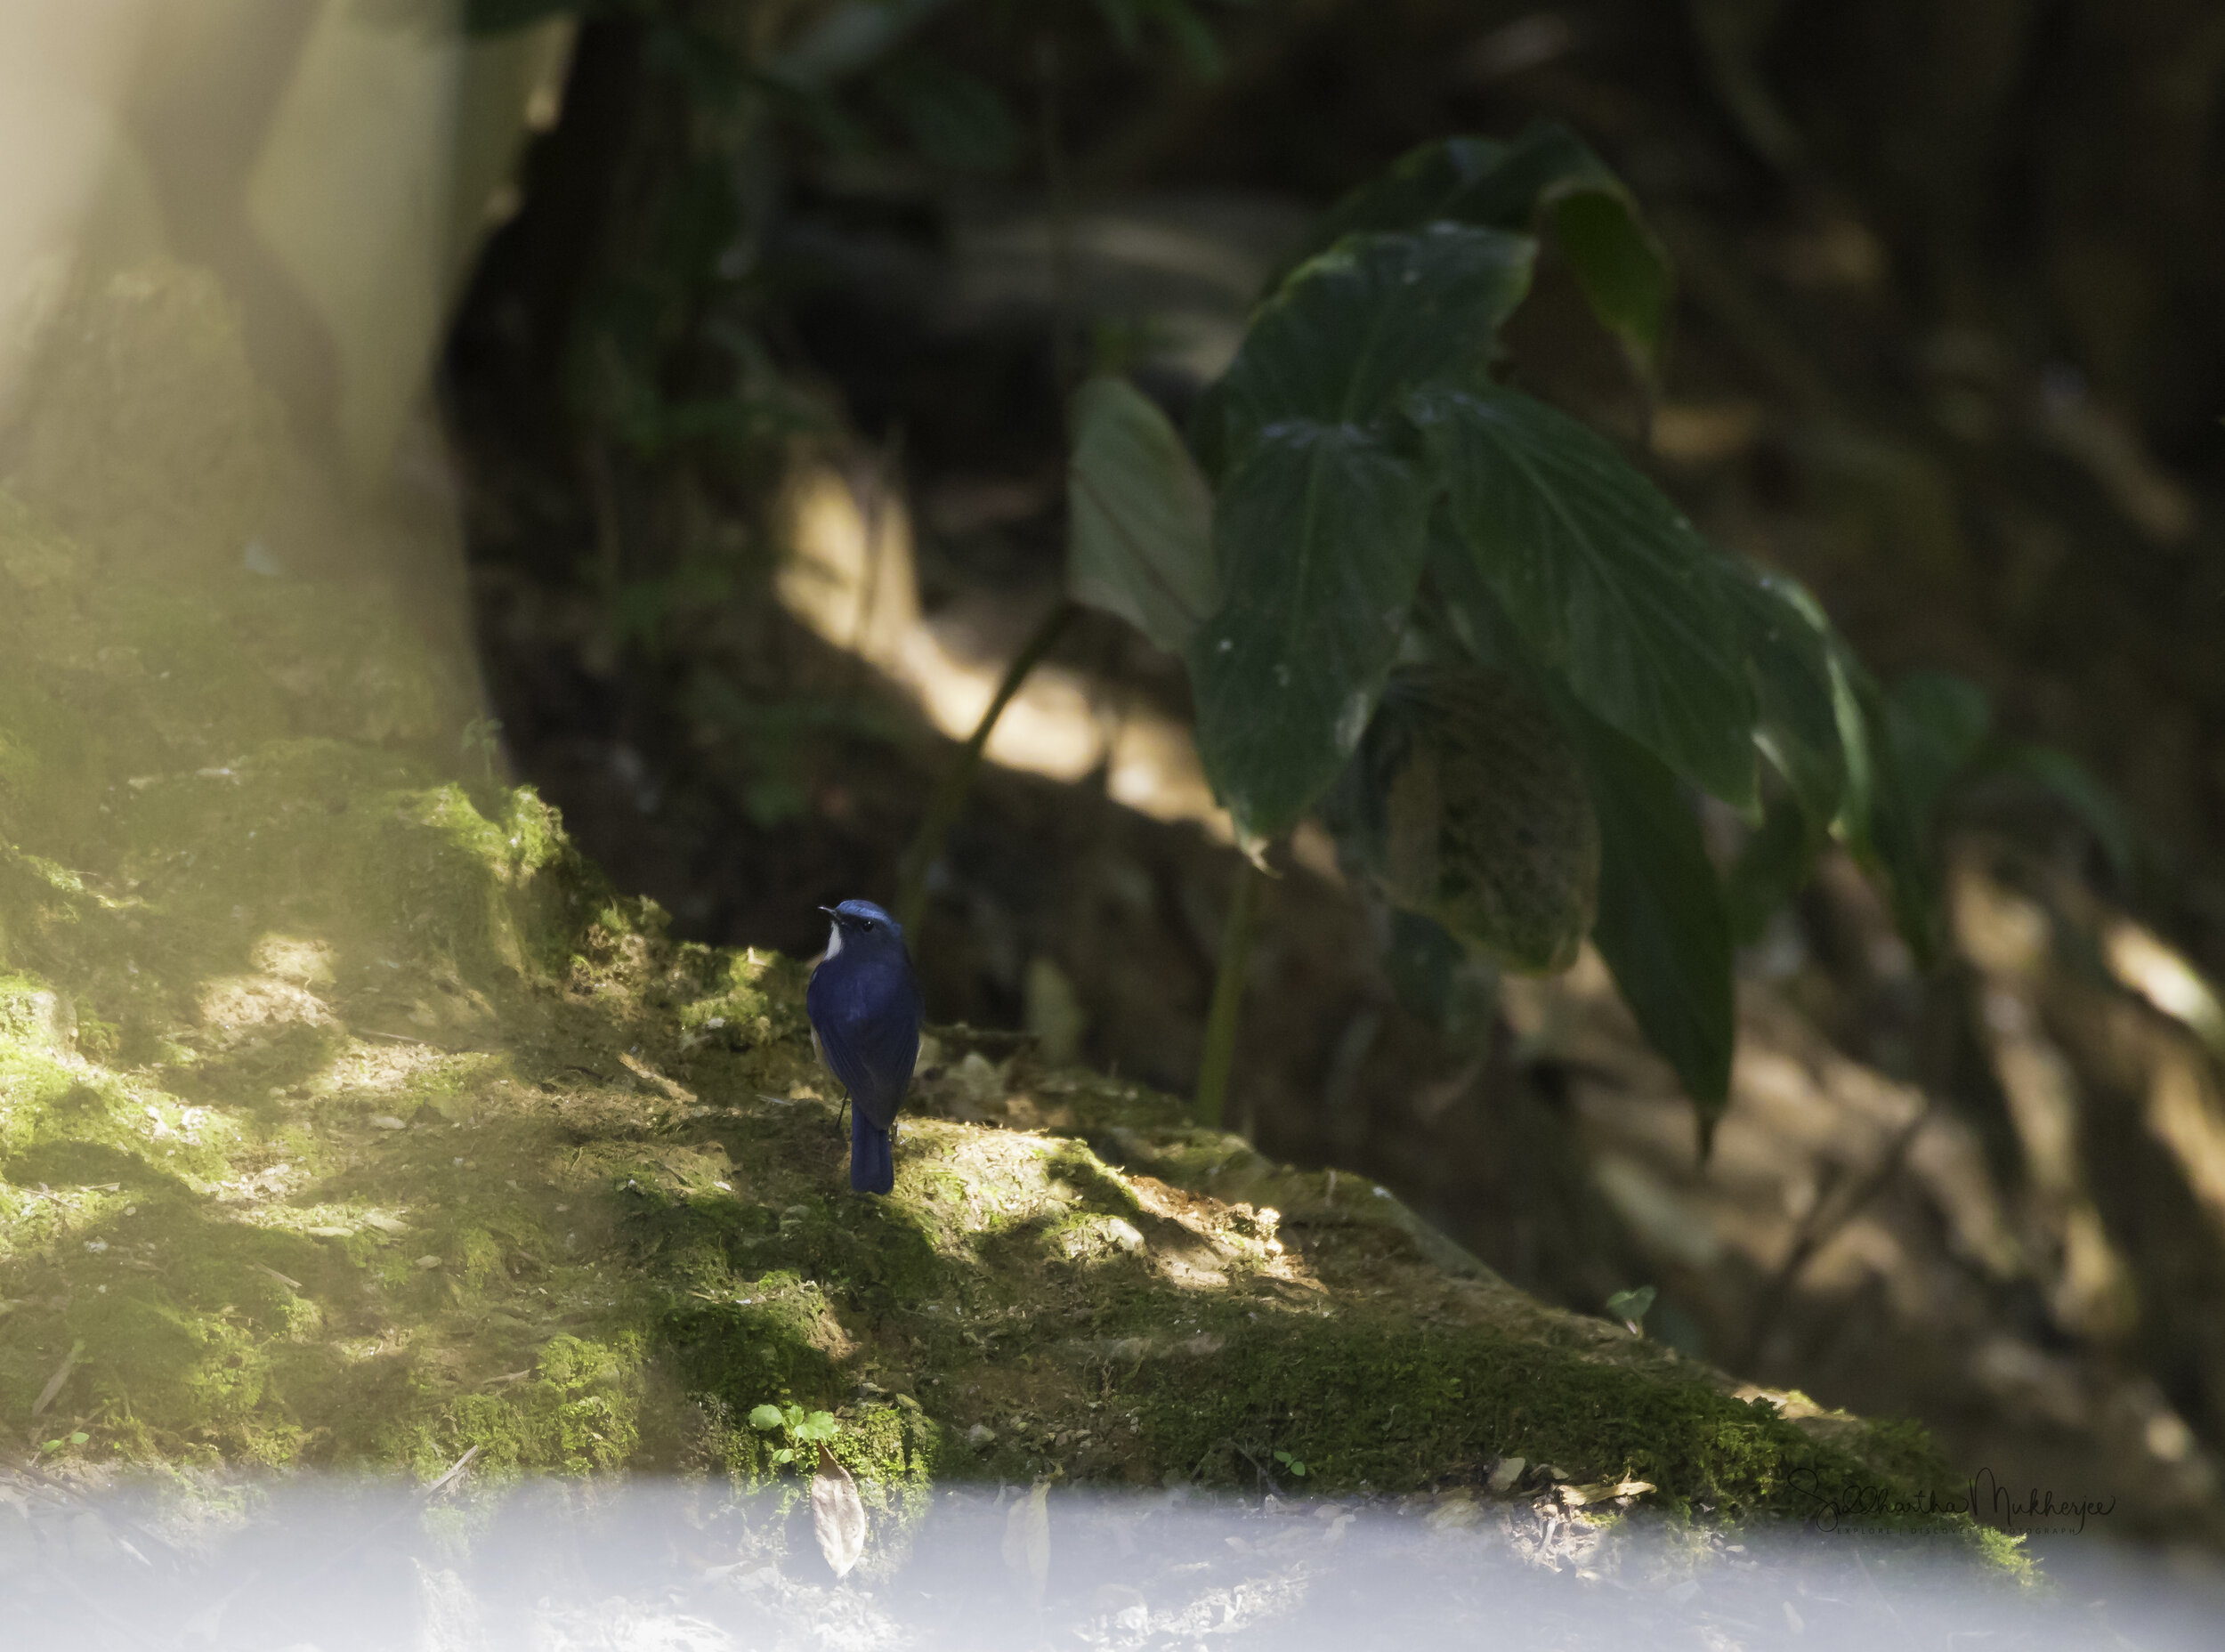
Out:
{"x": 864, "y": 1006}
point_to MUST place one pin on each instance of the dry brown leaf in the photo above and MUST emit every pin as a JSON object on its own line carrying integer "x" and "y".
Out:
{"x": 837, "y": 1519}
{"x": 1027, "y": 1542}
{"x": 1580, "y": 1495}
{"x": 53, "y": 1383}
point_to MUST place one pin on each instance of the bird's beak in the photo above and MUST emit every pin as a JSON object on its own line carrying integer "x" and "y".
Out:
{"x": 831, "y": 913}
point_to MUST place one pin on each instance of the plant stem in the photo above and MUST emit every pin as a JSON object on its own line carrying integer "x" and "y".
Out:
{"x": 949, "y": 801}
{"x": 1228, "y": 995}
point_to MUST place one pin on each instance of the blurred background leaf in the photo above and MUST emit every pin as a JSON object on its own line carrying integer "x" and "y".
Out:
{"x": 1140, "y": 517}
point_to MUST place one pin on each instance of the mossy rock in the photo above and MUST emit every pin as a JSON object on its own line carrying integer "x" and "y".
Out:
{"x": 347, "y": 1117}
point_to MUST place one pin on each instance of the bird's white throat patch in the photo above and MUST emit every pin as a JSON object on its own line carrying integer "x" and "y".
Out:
{"x": 834, "y": 939}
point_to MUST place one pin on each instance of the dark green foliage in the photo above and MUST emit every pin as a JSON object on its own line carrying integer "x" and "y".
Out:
{"x": 1546, "y": 177}
{"x": 1622, "y": 273}
{"x": 1661, "y": 926}
{"x": 1604, "y": 579}
{"x": 1354, "y": 330}
{"x": 1321, "y": 530}
{"x": 1318, "y": 527}
{"x": 1357, "y": 441}
{"x": 1787, "y": 648}
{"x": 1941, "y": 732}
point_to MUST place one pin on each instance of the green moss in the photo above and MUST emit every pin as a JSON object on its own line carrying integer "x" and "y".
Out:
{"x": 475, "y": 1256}
{"x": 1394, "y": 1406}
{"x": 49, "y": 764}
{"x": 2004, "y": 1553}
{"x": 754, "y": 997}
{"x": 347, "y": 1116}
{"x": 177, "y": 661}
{"x": 763, "y": 1343}
{"x": 27, "y": 1011}
{"x": 176, "y": 1366}
{"x": 578, "y": 1413}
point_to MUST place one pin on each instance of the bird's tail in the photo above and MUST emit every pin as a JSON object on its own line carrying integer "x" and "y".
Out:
{"x": 872, "y": 1156}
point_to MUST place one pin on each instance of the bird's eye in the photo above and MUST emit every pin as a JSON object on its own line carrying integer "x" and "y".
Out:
{"x": 865, "y": 923}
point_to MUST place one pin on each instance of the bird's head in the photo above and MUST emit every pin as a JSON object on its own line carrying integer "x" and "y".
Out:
{"x": 863, "y": 925}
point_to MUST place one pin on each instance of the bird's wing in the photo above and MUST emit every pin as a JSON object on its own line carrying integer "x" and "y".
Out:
{"x": 872, "y": 1054}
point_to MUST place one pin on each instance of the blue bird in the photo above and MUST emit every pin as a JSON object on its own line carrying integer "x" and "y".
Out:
{"x": 863, "y": 1002}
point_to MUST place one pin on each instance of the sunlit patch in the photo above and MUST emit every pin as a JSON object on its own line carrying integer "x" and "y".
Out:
{"x": 1099, "y": 1235}
{"x": 235, "y": 1003}
{"x": 2165, "y": 979}
{"x": 850, "y": 578}
{"x": 382, "y": 1068}
{"x": 1154, "y": 770}
{"x": 291, "y": 957}
{"x": 1999, "y": 929}
{"x": 2187, "y": 1114}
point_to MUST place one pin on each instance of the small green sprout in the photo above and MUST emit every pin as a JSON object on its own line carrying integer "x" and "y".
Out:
{"x": 801, "y": 1428}
{"x": 1291, "y": 1463}
{"x": 77, "y": 1438}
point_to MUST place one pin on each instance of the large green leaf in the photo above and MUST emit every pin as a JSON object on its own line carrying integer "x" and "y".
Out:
{"x": 1661, "y": 926}
{"x": 1788, "y": 662}
{"x": 1319, "y": 531}
{"x": 1547, "y": 175}
{"x": 1140, "y": 517}
{"x": 1431, "y": 183}
{"x": 1878, "y": 816}
{"x": 1601, "y": 575}
{"x": 1466, "y": 802}
{"x": 1621, "y": 269}
{"x": 1377, "y": 314}
{"x": 1875, "y": 778}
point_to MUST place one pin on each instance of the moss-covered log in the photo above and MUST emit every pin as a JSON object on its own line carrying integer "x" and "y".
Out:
{"x": 348, "y": 1117}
